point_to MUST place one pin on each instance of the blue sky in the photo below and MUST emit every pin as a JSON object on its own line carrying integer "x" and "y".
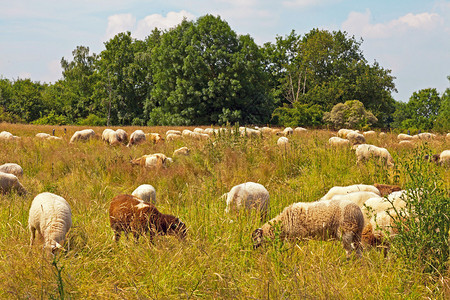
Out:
{"x": 409, "y": 37}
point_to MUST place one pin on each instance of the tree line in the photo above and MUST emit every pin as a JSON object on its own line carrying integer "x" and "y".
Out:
{"x": 201, "y": 72}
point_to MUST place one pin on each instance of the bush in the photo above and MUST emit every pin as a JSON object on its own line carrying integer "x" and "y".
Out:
{"x": 350, "y": 114}
{"x": 9, "y": 117}
{"x": 299, "y": 115}
{"x": 51, "y": 119}
{"x": 423, "y": 237}
{"x": 92, "y": 120}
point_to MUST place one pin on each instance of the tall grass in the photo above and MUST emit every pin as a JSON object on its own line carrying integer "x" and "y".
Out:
{"x": 217, "y": 259}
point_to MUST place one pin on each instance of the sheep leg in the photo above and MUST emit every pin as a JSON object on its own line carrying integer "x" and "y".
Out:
{"x": 33, "y": 235}
{"x": 347, "y": 239}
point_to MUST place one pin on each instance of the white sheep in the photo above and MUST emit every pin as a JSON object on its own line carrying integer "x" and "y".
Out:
{"x": 248, "y": 195}
{"x": 378, "y": 204}
{"x": 344, "y": 132}
{"x": 122, "y": 135}
{"x": 343, "y": 190}
{"x": 324, "y": 219}
{"x": 5, "y": 135}
{"x": 283, "y": 142}
{"x": 82, "y": 135}
{"x": 137, "y": 137}
{"x": 356, "y": 197}
{"x": 426, "y": 136}
{"x": 183, "y": 151}
{"x": 286, "y": 131}
{"x": 406, "y": 137}
{"x": 444, "y": 157}
{"x": 173, "y": 136}
{"x": 145, "y": 192}
{"x": 337, "y": 141}
{"x": 356, "y": 138}
{"x": 50, "y": 216}
{"x": 12, "y": 168}
{"x": 172, "y": 131}
{"x": 370, "y": 134}
{"x": 198, "y": 130}
{"x": 46, "y": 136}
{"x": 111, "y": 137}
{"x": 300, "y": 129}
{"x": 365, "y": 151}
{"x": 10, "y": 182}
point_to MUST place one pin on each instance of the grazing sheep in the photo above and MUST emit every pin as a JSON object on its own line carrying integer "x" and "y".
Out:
{"x": 122, "y": 136}
{"x": 155, "y": 138}
{"x": 186, "y": 133}
{"x": 370, "y": 134}
{"x": 145, "y": 192}
{"x": 382, "y": 134}
{"x": 406, "y": 137}
{"x": 365, "y": 151}
{"x": 12, "y": 168}
{"x": 444, "y": 157}
{"x": 374, "y": 232}
{"x": 183, "y": 151}
{"x": 426, "y": 136}
{"x": 324, "y": 219}
{"x": 375, "y": 205}
{"x": 82, "y": 135}
{"x": 198, "y": 130}
{"x": 337, "y": 141}
{"x": 152, "y": 160}
{"x": 283, "y": 142}
{"x": 5, "y": 135}
{"x": 46, "y": 136}
{"x": 356, "y": 197}
{"x": 287, "y": 131}
{"x": 51, "y": 217}
{"x": 344, "y": 132}
{"x": 343, "y": 190}
{"x": 173, "y": 136}
{"x": 111, "y": 137}
{"x": 172, "y": 131}
{"x": 137, "y": 137}
{"x": 447, "y": 136}
{"x": 209, "y": 130}
{"x": 249, "y": 132}
{"x": 406, "y": 143}
{"x": 248, "y": 195}
{"x": 356, "y": 138}
{"x": 386, "y": 189}
{"x": 300, "y": 130}
{"x": 10, "y": 182}
{"x": 266, "y": 130}
{"x": 128, "y": 213}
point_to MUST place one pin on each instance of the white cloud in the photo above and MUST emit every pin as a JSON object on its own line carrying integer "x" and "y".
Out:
{"x": 145, "y": 26}
{"x": 307, "y": 3}
{"x": 119, "y": 23}
{"x": 54, "y": 71}
{"x": 359, "y": 24}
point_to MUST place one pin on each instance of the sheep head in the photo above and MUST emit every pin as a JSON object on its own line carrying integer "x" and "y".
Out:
{"x": 257, "y": 237}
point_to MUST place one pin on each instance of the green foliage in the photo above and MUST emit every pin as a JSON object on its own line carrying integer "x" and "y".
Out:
{"x": 350, "y": 114}
{"x": 9, "y": 117}
{"x": 299, "y": 115}
{"x": 51, "y": 119}
{"x": 423, "y": 233}
{"x": 92, "y": 120}
{"x": 443, "y": 119}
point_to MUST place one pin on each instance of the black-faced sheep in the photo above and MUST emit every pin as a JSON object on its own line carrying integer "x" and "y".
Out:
{"x": 10, "y": 182}
{"x": 50, "y": 216}
{"x": 324, "y": 219}
{"x": 12, "y": 168}
{"x": 248, "y": 195}
{"x": 130, "y": 214}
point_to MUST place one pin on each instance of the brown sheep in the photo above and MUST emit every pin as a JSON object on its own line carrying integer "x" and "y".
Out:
{"x": 386, "y": 189}
{"x": 155, "y": 138}
{"x": 128, "y": 213}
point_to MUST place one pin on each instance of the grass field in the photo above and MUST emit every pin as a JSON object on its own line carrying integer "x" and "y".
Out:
{"x": 217, "y": 259}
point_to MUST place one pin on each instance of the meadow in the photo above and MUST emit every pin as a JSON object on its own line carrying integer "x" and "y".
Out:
{"x": 217, "y": 259}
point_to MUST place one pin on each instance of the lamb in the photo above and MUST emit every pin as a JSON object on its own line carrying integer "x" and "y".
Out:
{"x": 12, "y": 168}
{"x": 283, "y": 142}
{"x": 82, "y": 135}
{"x": 386, "y": 189}
{"x": 51, "y": 217}
{"x": 365, "y": 151}
{"x": 137, "y": 137}
{"x": 356, "y": 197}
{"x": 248, "y": 195}
{"x": 10, "y": 182}
{"x": 343, "y": 190}
{"x": 337, "y": 141}
{"x": 152, "y": 160}
{"x": 323, "y": 219}
{"x": 145, "y": 192}
{"x": 128, "y": 213}
{"x": 183, "y": 151}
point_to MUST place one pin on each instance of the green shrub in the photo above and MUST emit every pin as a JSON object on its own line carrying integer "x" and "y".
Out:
{"x": 92, "y": 120}
{"x": 350, "y": 114}
{"x": 51, "y": 119}
{"x": 423, "y": 232}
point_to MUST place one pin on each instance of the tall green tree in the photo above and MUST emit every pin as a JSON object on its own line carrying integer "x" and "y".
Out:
{"x": 26, "y": 99}
{"x": 205, "y": 73}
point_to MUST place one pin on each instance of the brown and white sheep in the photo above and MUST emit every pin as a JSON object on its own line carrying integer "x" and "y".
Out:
{"x": 152, "y": 160}
{"x": 130, "y": 214}
{"x": 325, "y": 219}
{"x": 137, "y": 137}
{"x": 155, "y": 138}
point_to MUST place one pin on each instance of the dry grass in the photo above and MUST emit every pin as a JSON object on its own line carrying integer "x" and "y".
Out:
{"x": 217, "y": 259}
